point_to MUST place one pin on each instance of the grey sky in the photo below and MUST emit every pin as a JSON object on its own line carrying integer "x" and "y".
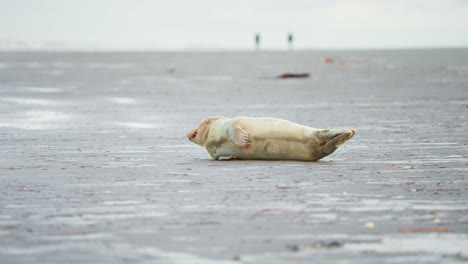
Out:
{"x": 224, "y": 24}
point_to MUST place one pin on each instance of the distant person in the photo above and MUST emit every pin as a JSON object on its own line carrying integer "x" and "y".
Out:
{"x": 290, "y": 40}
{"x": 257, "y": 41}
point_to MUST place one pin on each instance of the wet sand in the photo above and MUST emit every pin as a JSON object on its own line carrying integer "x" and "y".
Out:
{"x": 95, "y": 166}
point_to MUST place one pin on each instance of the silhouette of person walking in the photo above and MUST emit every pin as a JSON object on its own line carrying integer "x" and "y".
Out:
{"x": 257, "y": 41}
{"x": 290, "y": 40}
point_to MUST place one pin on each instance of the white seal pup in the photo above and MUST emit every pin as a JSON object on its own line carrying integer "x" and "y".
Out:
{"x": 266, "y": 139}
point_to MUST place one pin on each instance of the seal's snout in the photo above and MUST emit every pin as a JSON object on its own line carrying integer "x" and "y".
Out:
{"x": 192, "y": 134}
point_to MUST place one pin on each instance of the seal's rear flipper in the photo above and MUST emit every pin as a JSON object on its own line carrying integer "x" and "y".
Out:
{"x": 332, "y": 139}
{"x": 240, "y": 137}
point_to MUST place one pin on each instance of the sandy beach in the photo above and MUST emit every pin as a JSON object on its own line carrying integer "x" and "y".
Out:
{"x": 95, "y": 166}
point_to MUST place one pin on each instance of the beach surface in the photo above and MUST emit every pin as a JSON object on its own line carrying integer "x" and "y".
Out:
{"x": 95, "y": 166}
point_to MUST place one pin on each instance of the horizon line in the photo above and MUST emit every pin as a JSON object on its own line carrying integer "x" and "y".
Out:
{"x": 302, "y": 49}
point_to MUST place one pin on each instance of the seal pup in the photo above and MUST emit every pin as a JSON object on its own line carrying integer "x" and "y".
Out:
{"x": 266, "y": 139}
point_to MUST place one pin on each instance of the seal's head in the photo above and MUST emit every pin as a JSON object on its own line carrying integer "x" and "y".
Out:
{"x": 200, "y": 134}
{"x": 330, "y": 140}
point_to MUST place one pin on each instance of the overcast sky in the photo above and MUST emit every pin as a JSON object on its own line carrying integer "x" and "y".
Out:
{"x": 231, "y": 24}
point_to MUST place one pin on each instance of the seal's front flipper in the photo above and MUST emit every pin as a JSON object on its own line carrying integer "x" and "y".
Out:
{"x": 240, "y": 137}
{"x": 227, "y": 158}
